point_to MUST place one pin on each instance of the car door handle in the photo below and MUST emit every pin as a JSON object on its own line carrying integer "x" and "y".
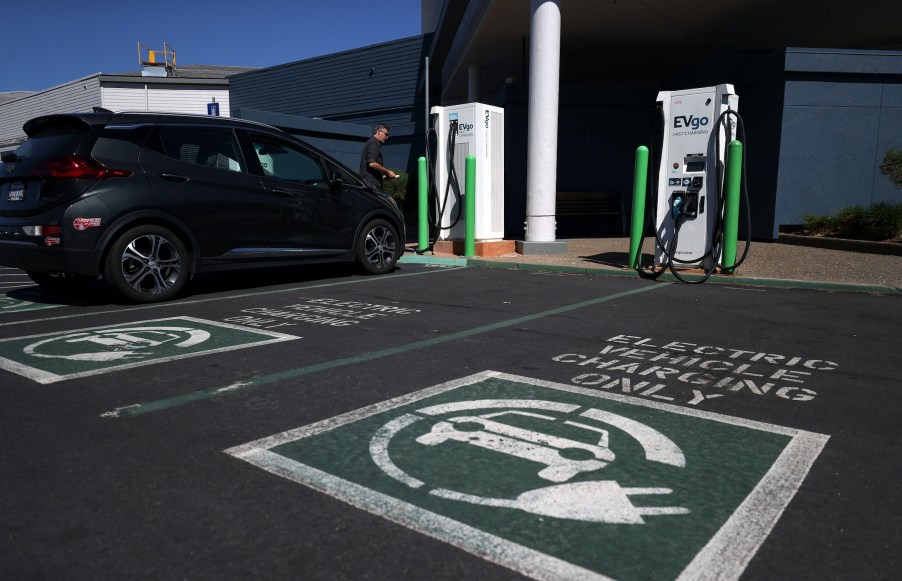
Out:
{"x": 281, "y": 192}
{"x": 174, "y": 177}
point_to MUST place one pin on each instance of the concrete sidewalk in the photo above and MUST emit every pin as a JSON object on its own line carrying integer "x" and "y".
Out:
{"x": 767, "y": 264}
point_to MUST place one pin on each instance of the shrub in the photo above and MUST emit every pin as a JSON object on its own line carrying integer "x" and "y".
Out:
{"x": 882, "y": 221}
{"x": 396, "y": 188}
{"x": 404, "y": 192}
{"x": 850, "y": 222}
{"x": 892, "y": 166}
{"x": 816, "y": 225}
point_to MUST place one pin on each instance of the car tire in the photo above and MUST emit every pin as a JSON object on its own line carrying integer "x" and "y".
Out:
{"x": 378, "y": 247}
{"x": 60, "y": 281}
{"x": 147, "y": 264}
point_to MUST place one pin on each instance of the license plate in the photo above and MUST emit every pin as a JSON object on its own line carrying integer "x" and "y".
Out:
{"x": 16, "y": 192}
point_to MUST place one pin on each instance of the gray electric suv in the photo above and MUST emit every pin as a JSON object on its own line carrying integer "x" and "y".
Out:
{"x": 148, "y": 200}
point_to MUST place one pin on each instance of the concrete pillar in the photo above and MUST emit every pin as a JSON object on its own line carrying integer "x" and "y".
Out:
{"x": 473, "y": 88}
{"x": 541, "y": 158}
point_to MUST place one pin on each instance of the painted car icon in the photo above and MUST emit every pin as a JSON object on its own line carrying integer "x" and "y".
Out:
{"x": 563, "y": 458}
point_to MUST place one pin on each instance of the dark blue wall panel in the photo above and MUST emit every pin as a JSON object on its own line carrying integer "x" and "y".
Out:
{"x": 837, "y": 125}
{"x": 827, "y": 160}
{"x": 761, "y": 108}
{"x": 889, "y": 137}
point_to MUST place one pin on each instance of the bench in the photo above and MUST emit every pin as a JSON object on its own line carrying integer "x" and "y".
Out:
{"x": 587, "y": 204}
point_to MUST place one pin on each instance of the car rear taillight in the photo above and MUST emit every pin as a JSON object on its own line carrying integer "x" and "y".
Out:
{"x": 75, "y": 167}
{"x": 47, "y": 230}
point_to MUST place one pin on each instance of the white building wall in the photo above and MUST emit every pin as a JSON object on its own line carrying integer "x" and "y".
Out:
{"x": 123, "y": 98}
{"x": 84, "y": 94}
{"x": 164, "y": 98}
{"x": 80, "y": 95}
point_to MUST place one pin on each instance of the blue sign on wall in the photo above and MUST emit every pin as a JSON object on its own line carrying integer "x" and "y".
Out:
{"x": 213, "y": 109}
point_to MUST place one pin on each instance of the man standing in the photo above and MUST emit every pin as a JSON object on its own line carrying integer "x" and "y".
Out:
{"x": 371, "y": 169}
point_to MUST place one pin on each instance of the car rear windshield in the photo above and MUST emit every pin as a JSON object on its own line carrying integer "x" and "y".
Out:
{"x": 61, "y": 137}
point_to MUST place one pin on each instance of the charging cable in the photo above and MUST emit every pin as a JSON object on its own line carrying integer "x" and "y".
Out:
{"x": 451, "y": 186}
{"x": 678, "y": 210}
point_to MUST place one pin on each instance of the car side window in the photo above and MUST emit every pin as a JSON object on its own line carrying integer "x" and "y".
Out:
{"x": 347, "y": 178}
{"x": 207, "y": 146}
{"x": 284, "y": 161}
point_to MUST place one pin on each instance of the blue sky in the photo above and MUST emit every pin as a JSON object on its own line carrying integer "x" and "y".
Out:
{"x": 46, "y": 43}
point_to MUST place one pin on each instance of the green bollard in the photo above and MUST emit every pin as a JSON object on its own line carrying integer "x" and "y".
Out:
{"x": 732, "y": 183}
{"x": 470, "y": 208}
{"x": 422, "y": 208}
{"x": 637, "y": 227}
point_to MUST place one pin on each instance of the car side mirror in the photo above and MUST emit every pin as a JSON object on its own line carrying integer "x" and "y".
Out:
{"x": 335, "y": 182}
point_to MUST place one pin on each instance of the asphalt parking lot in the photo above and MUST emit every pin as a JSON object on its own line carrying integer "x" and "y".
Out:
{"x": 450, "y": 422}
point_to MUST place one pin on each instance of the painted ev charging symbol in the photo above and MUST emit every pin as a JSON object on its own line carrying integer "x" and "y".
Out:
{"x": 560, "y": 458}
{"x": 564, "y": 458}
{"x": 550, "y": 479}
{"x": 115, "y": 344}
{"x": 51, "y": 357}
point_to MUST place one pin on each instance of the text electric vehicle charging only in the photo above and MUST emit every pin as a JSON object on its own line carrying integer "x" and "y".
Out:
{"x": 687, "y": 202}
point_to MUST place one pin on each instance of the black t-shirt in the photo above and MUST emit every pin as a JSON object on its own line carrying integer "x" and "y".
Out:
{"x": 372, "y": 151}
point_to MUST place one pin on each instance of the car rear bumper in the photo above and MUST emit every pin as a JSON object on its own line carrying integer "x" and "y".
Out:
{"x": 33, "y": 257}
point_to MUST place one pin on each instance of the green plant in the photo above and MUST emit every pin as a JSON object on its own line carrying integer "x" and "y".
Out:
{"x": 850, "y": 222}
{"x": 815, "y": 224}
{"x": 883, "y": 221}
{"x": 404, "y": 192}
{"x": 396, "y": 188}
{"x": 892, "y": 166}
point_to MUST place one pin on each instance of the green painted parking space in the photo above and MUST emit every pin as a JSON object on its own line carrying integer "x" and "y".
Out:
{"x": 13, "y": 305}
{"x": 556, "y": 481}
{"x": 53, "y": 357}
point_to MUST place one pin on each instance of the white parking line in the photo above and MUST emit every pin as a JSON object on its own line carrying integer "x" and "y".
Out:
{"x": 229, "y": 297}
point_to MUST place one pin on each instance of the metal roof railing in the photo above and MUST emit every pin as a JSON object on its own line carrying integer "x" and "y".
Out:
{"x": 157, "y": 58}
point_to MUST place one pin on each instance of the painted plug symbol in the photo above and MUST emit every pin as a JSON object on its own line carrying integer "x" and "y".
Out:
{"x": 599, "y": 501}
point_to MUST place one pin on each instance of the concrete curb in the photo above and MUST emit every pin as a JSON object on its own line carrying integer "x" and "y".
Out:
{"x": 887, "y": 248}
{"x": 414, "y": 258}
{"x": 665, "y": 277}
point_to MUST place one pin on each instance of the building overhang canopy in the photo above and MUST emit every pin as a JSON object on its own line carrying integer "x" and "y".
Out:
{"x": 611, "y": 40}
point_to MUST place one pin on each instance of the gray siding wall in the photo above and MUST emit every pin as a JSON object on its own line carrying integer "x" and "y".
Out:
{"x": 80, "y": 95}
{"x": 355, "y": 89}
{"x": 359, "y": 83}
